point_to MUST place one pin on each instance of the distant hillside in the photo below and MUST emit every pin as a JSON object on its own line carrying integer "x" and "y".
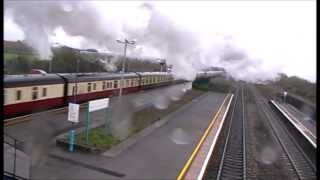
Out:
{"x": 16, "y": 47}
{"x": 298, "y": 86}
{"x": 20, "y": 59}
{"x": 294, "y": 85}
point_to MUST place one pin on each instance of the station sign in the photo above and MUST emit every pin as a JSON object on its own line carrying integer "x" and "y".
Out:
{"x": 73, "y": 112}
{"x": 98, "y": 104}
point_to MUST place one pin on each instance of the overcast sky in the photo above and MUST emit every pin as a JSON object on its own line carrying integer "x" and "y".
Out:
{"x": 280, "y": 33}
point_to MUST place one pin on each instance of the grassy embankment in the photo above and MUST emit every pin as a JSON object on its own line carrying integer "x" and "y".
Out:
{"x": 140, "y": 120}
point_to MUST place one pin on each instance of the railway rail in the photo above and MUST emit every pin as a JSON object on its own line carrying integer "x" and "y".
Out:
{"x": 233, "y": 162}
{"x": 299, "y": 161}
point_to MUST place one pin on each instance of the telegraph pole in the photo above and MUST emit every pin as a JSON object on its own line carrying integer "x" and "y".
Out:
{"x": 125, "y": 42}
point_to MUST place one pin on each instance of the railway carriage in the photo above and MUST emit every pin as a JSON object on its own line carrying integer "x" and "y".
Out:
{"x": 26, "y": 94}
{"x": 29, "y": 93}
{"x": 86, "y": 87}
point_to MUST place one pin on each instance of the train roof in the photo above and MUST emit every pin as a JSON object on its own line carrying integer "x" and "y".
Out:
{"x": 43, "y": 79}
{"x": 31, "y": 80}
{"x": 153, "y": 73}
{"x": 97, "y": 76}
{"x": 86, "y": 77}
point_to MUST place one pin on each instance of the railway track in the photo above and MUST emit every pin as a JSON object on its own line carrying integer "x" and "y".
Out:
{"x": 300, "y": 163}
{"x": 233, "y": 161}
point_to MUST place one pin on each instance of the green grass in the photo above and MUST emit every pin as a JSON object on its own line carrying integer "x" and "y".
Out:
{"x": 11, "y": 55}
{"x": 97, "y": 138}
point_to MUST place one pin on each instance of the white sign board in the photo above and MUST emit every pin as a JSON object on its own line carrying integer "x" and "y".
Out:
{"x": 98, "y": 104}
{"x": 73, "y": 113}
{"x": 285, "y": 93}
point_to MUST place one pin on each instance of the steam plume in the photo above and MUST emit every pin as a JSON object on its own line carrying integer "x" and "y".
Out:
{"x": 156, "y": 36}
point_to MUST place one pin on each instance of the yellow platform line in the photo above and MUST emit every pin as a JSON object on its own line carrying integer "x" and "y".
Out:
{"x": 204, "y": 136}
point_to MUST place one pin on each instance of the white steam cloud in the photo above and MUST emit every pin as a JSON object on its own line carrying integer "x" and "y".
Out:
{"x": 156, "y": 35}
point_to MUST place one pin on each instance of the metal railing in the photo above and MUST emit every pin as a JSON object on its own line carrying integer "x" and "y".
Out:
{"x": 15, "y": 144}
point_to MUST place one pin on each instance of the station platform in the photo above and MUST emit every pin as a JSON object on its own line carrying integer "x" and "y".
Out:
{"x": 301, "y": 121}
{"x": 162, "y": 153}
{"x": 198, "y": 161}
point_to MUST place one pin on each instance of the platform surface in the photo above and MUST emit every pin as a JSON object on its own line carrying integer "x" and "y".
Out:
{"x": 161, "y": 154}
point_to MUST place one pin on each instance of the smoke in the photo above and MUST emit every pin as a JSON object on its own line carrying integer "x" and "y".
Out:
{"x": 109, "y": 63}
{"x": 185, "y": 52}
{"x": 164, "y": 38}
{"x": 39, "y": 19}
{"x": 156, "y": 36}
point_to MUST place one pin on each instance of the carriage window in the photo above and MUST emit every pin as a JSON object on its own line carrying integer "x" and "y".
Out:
{"x": 18, "y": 95}
{"x": 89, "y": 87}
{"x": 34, "y": 93}
{"x": 132, "y": 82}
{"x": 115, "y": 85}
{"x": 44, "y": 92}
{"x": 94, "y": 86}
{"x": 109, "y": 84}
{"x": 127, "y": 82}
{"x": 104, "y": 85}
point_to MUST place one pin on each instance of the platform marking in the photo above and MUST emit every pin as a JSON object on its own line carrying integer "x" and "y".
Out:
{"x": 301, "y": 131}
{"x": 298, "y": 122}
{"x": 195, "y": 151}
{"x": 204, "y": 166}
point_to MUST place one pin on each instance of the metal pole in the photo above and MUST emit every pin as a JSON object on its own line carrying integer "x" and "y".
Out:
{"x": 15, "y": 155}
{"x": 123, "y": 67}
{"x": 71, "y": 140}
{"x": 125, "y": 42}
{"x": 50, "y": 66}
{"x": 87, "y": 125}
{"x": 76, "y": 81}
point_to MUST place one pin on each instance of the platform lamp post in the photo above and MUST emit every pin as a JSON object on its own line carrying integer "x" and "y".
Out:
{"x": 126, "y": 43}
{"x": 162, "y": 62}
{"x": 284, "y": 96}
{"x": 76, "y": 75}
{"x": 75, "y": 91}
